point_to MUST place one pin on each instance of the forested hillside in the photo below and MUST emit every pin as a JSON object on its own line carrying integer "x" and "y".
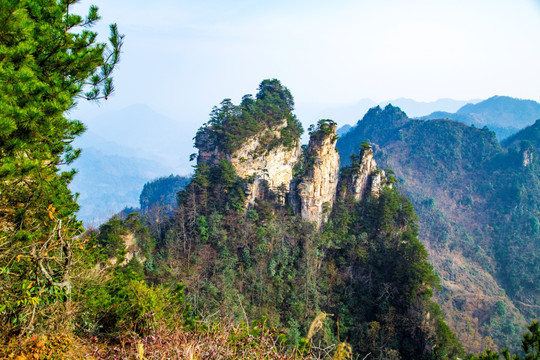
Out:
{"x": 243, "y": 269}
{"x": 161, "y": 193}
{"x": 478, "y": 206}
{"x": 530, "y": 135}
{"x": 364, "y": 275}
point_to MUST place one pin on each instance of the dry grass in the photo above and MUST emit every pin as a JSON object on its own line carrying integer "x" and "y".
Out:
{"x": 216, "y": 341}
{"x": 219, "y": 342}
{"x": 316, "y": 325}
{"x": 343, "y": 352}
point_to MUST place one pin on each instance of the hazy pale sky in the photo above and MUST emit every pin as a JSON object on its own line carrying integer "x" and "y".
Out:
{"x": 182, "y": 57}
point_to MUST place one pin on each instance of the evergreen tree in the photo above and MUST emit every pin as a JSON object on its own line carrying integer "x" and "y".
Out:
{"x": 48, "y": 60}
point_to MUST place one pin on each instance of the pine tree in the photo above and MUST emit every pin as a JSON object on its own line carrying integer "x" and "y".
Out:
{"x": 49, "y": 59}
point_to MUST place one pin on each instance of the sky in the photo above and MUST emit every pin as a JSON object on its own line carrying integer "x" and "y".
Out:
{"x": 182, "y": 57}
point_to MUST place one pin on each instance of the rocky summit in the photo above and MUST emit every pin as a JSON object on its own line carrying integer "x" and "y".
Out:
{"x": 272, "y": 171}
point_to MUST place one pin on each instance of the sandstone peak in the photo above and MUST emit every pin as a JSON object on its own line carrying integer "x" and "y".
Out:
{"x": 317, "y": 188}
{"x": 260, "y": 138}
{"x": 362, "y": 178}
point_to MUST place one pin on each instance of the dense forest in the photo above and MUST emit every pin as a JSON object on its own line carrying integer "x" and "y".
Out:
{"x": 230, "y": 125}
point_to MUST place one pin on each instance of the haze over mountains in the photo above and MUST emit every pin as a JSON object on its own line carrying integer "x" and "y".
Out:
{"x": 121, "y": 151}
{"x": 138, "y": 131}
{"x": 124, "y": 149}
{"x": 502, "y": 114}
{"x": 350, "y": 114}
{"x": 108, "y": 183}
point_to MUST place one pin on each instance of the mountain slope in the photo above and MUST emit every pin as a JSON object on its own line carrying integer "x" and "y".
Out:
{"x": 348, "y": 114}
{"x": 466, "y": 189}
{"x": 530, "y": 133}
{"x": 417, "y": 108}
{"x": 503, "y": 111}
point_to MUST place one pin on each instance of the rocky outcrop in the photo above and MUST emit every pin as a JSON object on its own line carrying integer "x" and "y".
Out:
{"x": 268, "y": 169}
{"x": 209, "y": 151}
{"x": 264, "y": 169}
{"x": 362, "y": 178}
{"x": 317, "y": 188}
{"x": 272, "y": 170}
{"x": 132, "y": 250}
{"x": 528, "y": 157}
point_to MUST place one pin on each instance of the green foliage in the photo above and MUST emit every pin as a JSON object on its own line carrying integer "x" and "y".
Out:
{"x": 230, "y": 125}
{"x": 203, "y": 228}
{"x": 162, "y": 192}
{"x": 48, "y": 60}
{"x": 303, "y": 164}
{"x": 115, "y": 299}
{"x": 380, "y": 246}
{"x": 530, "y": 134}
{"x": 364, "y": 146}
{"x": 366, "y": 266}
{"x": 323, "y": 128}
{"x": 447, "y": 346}
{"x": 216, "y": 187}
{"x": 109, "y": 237}
{"x": 112, "y": 234}
{"x": 126, "y": 303}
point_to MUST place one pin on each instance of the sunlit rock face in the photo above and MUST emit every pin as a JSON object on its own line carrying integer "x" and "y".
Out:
{"x": 528, "y": 157}
{"x": 132, "y": 250}
{"x": 268, "y": 170}
{"x": 265, "y": 169}
{"x": 317, "y": 188}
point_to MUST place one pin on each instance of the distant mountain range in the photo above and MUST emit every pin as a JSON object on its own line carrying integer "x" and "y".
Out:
{"x": 501, "y": 114}
{"x": 350, "y": 114}
{"x": 121, "y": 151}
{"x": 109, "y": 183}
